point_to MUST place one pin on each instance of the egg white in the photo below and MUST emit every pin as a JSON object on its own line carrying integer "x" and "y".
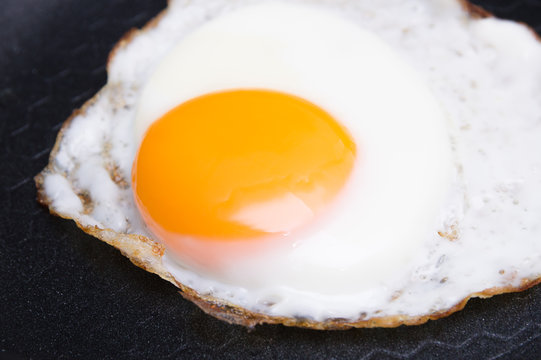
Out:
{"x": 489, "y": 221}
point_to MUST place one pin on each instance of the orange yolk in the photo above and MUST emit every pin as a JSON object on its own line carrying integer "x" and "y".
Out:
{"x": 239, "y": 165}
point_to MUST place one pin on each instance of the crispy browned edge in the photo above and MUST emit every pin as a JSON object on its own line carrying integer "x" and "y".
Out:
{"x": 147, "y": 253}
{"x": 478, "y": 12}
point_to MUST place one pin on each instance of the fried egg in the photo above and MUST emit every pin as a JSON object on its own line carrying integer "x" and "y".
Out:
{"x": 315, "y": 163}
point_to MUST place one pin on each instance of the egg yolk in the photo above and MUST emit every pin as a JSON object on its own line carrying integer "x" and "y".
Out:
{"x": 238, "y": 165}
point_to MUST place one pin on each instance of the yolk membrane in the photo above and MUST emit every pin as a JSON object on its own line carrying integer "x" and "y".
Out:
{"x": 239, "y": 165}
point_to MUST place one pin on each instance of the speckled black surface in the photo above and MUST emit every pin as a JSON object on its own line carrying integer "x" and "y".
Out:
{"x": 66, "y": 295}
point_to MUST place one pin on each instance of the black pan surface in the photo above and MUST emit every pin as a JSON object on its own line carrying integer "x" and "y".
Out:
{"x": 66, "y": 295}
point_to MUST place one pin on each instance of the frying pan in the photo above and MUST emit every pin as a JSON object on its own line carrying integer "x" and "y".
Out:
{"x": 67, "y": 295}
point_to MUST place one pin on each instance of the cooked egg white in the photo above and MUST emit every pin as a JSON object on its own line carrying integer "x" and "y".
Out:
{"x": 440, "y": 202}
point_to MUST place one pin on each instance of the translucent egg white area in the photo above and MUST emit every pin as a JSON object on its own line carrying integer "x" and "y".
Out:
{"x": 401, "y": 176}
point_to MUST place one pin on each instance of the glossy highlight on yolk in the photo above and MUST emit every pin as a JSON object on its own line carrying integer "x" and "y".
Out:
{"x": 239, "y": 165}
